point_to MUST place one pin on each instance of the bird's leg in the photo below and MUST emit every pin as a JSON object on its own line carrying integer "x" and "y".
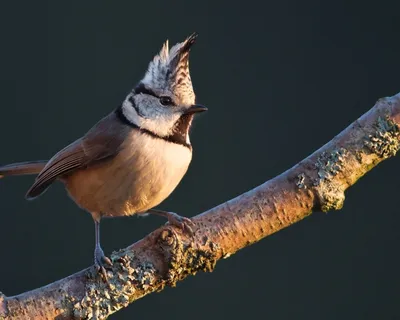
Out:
{"x": 175, "y": 219}
{"x": 99, "y": 258}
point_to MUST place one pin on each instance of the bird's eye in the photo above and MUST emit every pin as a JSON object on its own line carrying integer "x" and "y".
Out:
{"x": 166, "y": 101}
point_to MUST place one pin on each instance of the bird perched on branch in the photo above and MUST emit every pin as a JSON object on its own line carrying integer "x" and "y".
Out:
{"x": 132, "y": 159}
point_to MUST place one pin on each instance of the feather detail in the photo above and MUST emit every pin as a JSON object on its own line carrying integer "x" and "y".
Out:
{"x": 103, "y": 141}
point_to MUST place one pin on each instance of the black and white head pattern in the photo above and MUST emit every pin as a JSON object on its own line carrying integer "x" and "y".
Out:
{"x": 159, "y": 101}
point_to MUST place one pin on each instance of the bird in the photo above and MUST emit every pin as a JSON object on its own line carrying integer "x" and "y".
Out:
{"x": 132, "y": 159}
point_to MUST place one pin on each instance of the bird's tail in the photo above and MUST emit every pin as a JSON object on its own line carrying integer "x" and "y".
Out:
{"x": 22, "y": 168}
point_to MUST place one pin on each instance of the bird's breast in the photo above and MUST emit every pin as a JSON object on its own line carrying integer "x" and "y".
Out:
{"x": 139, "y": 177}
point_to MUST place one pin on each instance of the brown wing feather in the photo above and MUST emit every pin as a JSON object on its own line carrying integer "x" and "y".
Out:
{"x": 63, "y": 162}
{"x": 101, "y": 142}
{"x": 21, "y": 168}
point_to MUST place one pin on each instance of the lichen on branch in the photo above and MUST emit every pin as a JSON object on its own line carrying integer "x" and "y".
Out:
{"x": 167, "y": 255}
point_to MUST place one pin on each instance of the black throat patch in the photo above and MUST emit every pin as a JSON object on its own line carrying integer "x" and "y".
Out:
{"x": 179, "y": 135}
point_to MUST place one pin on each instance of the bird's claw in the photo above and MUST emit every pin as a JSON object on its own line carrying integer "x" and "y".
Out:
{"x": 184, "y": 223}
{"x": 101, "y": 261}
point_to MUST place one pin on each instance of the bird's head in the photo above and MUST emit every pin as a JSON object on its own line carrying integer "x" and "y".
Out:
{"x": 164, "y": 101}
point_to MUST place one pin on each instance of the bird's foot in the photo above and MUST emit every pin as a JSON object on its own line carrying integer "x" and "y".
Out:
{"x": 175, "y": 219}
{"x": 184, "y": 223}
{"x": 101, "y": 261}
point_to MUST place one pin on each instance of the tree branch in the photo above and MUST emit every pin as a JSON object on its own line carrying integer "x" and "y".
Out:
{"x": 167, "y": 255}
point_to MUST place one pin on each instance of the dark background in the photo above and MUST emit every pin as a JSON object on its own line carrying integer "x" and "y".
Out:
{"x": 280, "y": 80}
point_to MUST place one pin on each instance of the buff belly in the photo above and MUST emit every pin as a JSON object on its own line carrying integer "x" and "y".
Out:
{"x": 140, "y": 177}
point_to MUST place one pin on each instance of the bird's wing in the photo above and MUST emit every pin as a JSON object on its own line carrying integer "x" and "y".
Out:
{"x": 21, "y": 168}
{"x": 102, "y": 142}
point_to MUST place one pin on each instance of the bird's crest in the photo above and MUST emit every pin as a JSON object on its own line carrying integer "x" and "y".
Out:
{"x": 169, "y": 70}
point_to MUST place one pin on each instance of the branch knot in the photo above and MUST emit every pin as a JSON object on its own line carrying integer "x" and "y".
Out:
{"x": 168, "y": 237}
{"x": 184, "y": 256}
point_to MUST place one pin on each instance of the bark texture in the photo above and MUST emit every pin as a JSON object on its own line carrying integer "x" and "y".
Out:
{"x": 167, "y": 255}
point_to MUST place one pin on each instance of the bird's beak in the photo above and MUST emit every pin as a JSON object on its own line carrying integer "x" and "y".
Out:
{"x": 196, "y": 108}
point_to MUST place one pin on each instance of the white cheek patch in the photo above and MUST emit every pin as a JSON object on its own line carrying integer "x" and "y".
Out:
{"x": 160, "y": 124}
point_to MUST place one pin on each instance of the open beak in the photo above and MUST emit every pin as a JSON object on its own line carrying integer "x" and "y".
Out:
{"x": 196, "y": 108}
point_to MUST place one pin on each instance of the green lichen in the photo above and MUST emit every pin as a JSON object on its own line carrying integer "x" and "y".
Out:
{"x": 331, "y": 196}
{"x": 358, "y": 155}
{"x": 130, "y": 278}
{"x": 385, "y": 140}
{"x": 330, "y": 193}
{"x": 300, "y": 181}
{"x": 329, "y": 164}
{"x": 104, "y": 297}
